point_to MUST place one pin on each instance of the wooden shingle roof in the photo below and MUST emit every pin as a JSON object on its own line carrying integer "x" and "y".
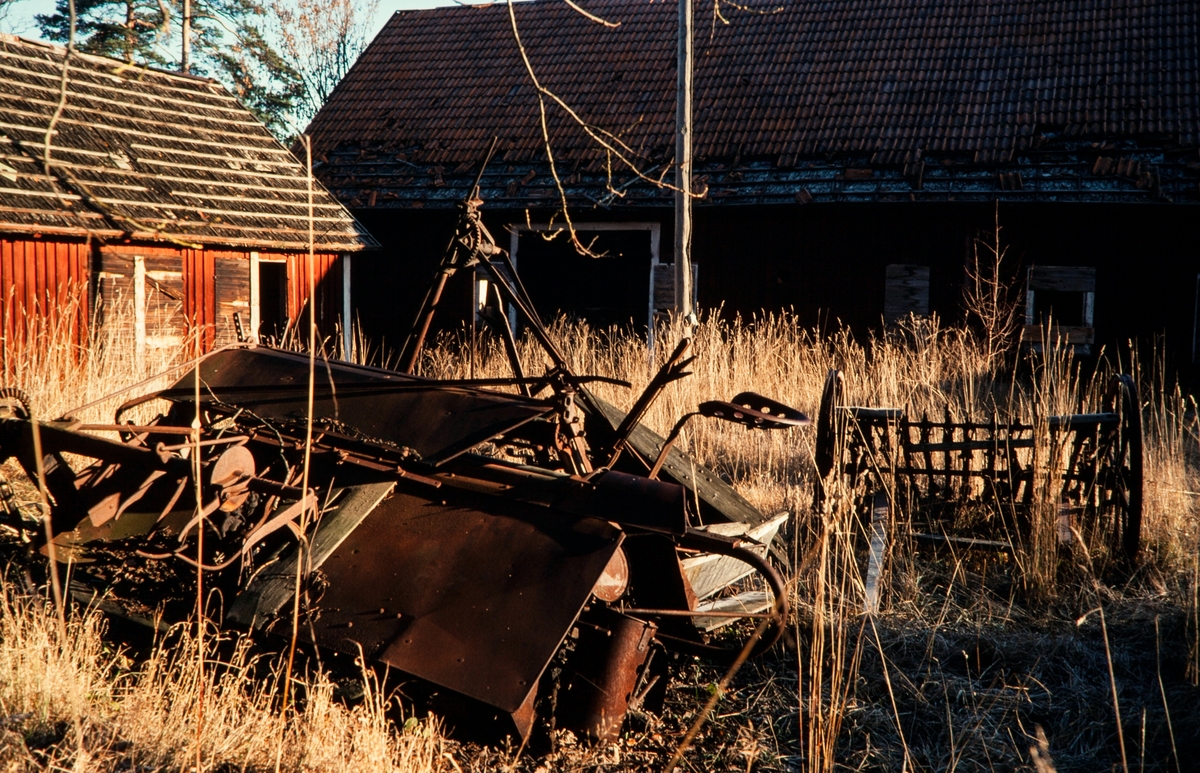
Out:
{"x": 815, "y": 77}
{"x": 145, "y": 154}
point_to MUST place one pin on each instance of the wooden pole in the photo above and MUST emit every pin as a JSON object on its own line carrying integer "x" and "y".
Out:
{"x": 683, "y": 158}
{"x": 184, "y": 60}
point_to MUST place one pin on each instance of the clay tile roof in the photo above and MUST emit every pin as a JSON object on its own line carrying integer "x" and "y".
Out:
{"x": 816, "y": 77}
{"x": 148, "y": 154}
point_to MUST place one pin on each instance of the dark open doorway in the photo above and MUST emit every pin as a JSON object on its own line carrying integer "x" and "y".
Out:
{"x": 613, "y": 289}
{"x": 272, "y": 300}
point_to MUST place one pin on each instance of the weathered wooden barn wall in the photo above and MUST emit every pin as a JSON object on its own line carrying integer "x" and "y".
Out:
{"x": 231, "y": 295}
{"x": 44, "y": 286}
{"x": 166, "y": 296}
{"x": 388, "y": 290}
{"x": 327, "y": 276}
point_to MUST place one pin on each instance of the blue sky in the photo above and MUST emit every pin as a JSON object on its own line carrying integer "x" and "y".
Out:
{"x": 20, "y": 18}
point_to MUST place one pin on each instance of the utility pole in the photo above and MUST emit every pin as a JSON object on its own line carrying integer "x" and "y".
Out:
{"x": 683, "y": 159}
{"x": 185, "y": 59}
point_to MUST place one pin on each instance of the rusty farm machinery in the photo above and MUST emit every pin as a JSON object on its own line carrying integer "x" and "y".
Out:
{"x": 980, "y": 485}
{"x": 514, "y": 545}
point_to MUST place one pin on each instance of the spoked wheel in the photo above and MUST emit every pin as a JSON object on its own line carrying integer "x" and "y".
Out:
{"x": 1120, "y": 479}
{"x": 828, "y": 445}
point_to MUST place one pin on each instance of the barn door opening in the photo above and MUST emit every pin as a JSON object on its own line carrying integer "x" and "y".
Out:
{"x": 615, "y": 288}
{"x": 272, "y": 300}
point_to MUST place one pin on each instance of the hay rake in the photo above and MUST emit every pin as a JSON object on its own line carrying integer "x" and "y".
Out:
{"x": 980, "y": 484}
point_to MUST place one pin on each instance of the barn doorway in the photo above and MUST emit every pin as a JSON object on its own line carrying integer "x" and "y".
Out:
{"x": 272, "y": 300}
{"x": 614, "y": 289}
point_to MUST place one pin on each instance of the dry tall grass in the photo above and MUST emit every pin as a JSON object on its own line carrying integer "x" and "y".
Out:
{"x": 74, "y": 702}
{"x": 924, "y": 366}
{"x": 861, "y": 694}
{"x": 946, "y": 677}
{"x": 69, "y": 700}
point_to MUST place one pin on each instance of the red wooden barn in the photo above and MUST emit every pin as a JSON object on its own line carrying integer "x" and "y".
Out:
{"x": 160, "y": 201}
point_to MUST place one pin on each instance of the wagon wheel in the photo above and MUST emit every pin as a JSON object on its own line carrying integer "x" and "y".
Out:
{"x": 1120, "y": 475}
{"x": 829, "y": 442}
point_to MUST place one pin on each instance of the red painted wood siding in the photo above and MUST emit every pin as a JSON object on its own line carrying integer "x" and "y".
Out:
{"x": 200, "y": 295}
{"x": 327, "y": 275}
{"x": 45, "y": 287}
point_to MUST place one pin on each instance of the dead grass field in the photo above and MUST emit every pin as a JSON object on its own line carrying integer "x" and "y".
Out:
{"x": 971, "y": 660}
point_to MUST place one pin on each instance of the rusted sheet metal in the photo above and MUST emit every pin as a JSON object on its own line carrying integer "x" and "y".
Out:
{"x": 601, "y": 680}
{"x": 474, "y": 601}
{"x": 392, "y": 411}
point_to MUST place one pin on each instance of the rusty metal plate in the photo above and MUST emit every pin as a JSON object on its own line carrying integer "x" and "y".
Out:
{"x": 438, "y": 422}
{"x": 477, "y": 602}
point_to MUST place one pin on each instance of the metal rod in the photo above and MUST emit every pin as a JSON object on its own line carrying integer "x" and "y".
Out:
{"x": 206, "y": 443}
{"x": 135, "y": 428}
{"x": 672, "y": 436}
{"x": 684, "y": 613}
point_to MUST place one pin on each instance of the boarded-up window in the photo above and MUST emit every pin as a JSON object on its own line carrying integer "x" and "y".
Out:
{"x": 139, "y": 295}
{"x": 664, "y": 286}
{"x": 906, "y": 291}
{"x": 1060, "y": 301}
{"x": 164, "y": 301}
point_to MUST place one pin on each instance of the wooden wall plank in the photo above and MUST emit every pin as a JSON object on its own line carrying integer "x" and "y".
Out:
{"x": 1071, "y": 279}
{"x": 232, "y": 290}
{"x": 906, "y": 291}
{"x": 37, "y": 292}
{"x": 8, "y": 284}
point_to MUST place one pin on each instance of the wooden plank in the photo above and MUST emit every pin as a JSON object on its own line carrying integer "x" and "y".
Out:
{"x": 1079, "y": 279}
{"x": 8, "y": 287}
{"x": 165, "y": 318}
{"x": 273, "y": 587}
{"x": 879, "y": 523}
{"x": 749, "y": 602}
{"x": 232, "y": 284}
{"x": 1068, "y": 334}
{"x": 906, "y": 291}
{"x": 37, "y": 289}
{"x": 962, "y": 543}
{"x": 664, "y": 286}
{"x": 710, "y": 573}
{"x": 80, "y": 275}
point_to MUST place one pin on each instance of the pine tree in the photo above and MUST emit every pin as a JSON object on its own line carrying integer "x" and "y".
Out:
{"x": 133, "y": 30}
{"x": 227, "y": 45}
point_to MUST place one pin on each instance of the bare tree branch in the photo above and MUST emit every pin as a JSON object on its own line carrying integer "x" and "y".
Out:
{"x": 611, "y": 143}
